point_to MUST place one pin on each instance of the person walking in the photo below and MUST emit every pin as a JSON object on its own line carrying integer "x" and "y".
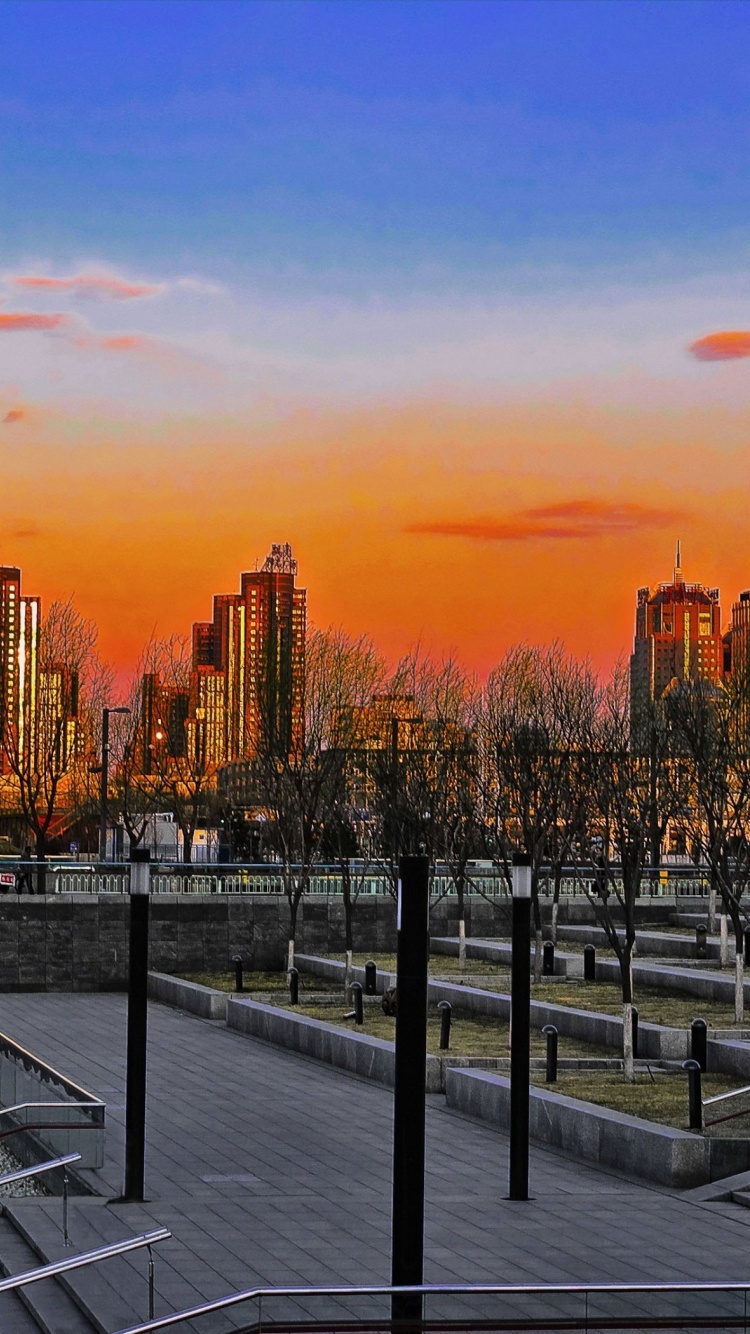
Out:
{"x": 24, "y": 873}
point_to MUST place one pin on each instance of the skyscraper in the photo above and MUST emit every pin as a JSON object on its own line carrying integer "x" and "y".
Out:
{"x": 248, "y": 663}
{"x": 677, "y": 637}
{"x": 20, "y": 619}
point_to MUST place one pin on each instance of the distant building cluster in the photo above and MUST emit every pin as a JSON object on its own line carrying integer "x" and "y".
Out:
{"x": 678, "y": 637}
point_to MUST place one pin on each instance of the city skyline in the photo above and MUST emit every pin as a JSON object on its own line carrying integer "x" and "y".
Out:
{"x": 454, "y": 295}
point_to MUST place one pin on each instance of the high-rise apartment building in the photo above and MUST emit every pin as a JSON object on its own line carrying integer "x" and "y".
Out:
{"x": 677, "y": 637}
{"x": 20, "y": 620}
{"x": 248, "y": 664}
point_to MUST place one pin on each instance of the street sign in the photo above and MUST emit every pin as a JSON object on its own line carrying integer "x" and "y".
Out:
{"x": 7, "y": 879}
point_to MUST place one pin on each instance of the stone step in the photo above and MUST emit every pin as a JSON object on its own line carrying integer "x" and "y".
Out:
{"x": 42, "y": 1306}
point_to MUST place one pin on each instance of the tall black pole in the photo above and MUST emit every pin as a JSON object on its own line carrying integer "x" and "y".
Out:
{"x": 103, "y": 787}
{"x": 407, "y": 1252}
{"x": 135, "y": 1095}
{"x": 520, "y": 1020}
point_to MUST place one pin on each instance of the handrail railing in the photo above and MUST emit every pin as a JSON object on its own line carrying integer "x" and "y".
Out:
{"x": 86, "y": 1258}
{"x": 23, "y": 1172}
{"x": 724, "y": 1097}
{"x": 464, "y": 1290}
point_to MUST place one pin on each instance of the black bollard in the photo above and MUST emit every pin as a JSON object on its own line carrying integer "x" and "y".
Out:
{"x": 548, "y": 958}
{"x": 634, "y": 1013}
{"x": 294, "y": 986}
{"x": 694, "y": 1094}
{"x": 239, "y": 984}
{"x": 359, "y": 1005}
{"x": 589, "y": 963}
{"x": 371, "y": 978}
{"x": 698, "y": 1042}
{"x": 445, "y": 1024}
{"x": 701, "y": 949}
{"x": 550, "y": 1033}
{"x": 747, "y": 945}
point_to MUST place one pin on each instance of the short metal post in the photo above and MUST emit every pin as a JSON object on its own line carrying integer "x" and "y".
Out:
{"x": 550, "y": 1033}
{"x": 150, "y": 1284}
{"x": 371, "y": 978}
{"x": 66, "y": 1238}
{"x": 445, "y": 1009}
{"x": 694, "y": 1094}
{"x": 359, "y": 1005}
{"x": 520, "y": 986}
{"x": 634, "y": 1031}
{"x": 701, "y": 947}
{"x": 589, "y": 963}
{"x": 293, "y": 986}
{"x": 239, "y": 981}
{"x": 407, "y": 1235}
{"x": 548, "y": 958}
{"x": 135, "y": 1095}
{"x": 699, "y": 1042}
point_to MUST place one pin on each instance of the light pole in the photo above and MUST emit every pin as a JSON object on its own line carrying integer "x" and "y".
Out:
{"x": 105, "y": 781}
{"x": 520, "y": 1019}
{"x": 135, "y": 1095}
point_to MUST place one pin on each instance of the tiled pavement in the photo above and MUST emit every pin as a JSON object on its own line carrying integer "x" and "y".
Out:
{"x": 271, "y": 1169}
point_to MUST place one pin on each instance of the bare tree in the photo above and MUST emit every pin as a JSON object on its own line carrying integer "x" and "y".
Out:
{"x": 710, "y": 773}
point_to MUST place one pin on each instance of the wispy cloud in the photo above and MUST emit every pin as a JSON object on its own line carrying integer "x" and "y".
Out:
{"x": 726, "y": 345}
{"x": 125, "y": 343}
{"x": 14, "y": 321}
{"x": 576, "y": 520}
{"x": 89, "y": 284}
{"x": 13, "y": 415}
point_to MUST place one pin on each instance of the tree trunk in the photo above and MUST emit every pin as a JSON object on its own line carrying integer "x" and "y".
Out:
{"x": 41, "y": 870}
{"x": 538, "y": 943}
{"x": 627, "y": 1043}
{"x": 723, "y": 941}
{"x": 290, "y": 956}
{"x": 461, "y": 923}
{"x": 712, "y": 906}
{"x": 348, "y": 978}
{"x": 739, "y": 987}
{"x": 556, "y": 902}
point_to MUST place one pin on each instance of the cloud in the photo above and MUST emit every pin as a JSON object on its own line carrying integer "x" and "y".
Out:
{"x": 29, "y": 531}
{"x": 14, "y": 321}
{"x": 575, "y": 520}
{"x": 13, "y": 415}
{"x": 727, "y": 345}
{"x": 89, "y": 284}
{"x": 125, "y": 343}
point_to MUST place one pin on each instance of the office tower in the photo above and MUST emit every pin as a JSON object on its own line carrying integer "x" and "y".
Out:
{"x": 677, "y": 637}
{"x": 737, "y": 639}
{"x": 20, "y": 619}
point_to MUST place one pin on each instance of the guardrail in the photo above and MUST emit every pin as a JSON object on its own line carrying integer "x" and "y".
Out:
{"x": 226, "y": 878}
{"x": 590, "y": 1307}
{"x": 58, "y": 1267}
{"x": 23, "y": 1078}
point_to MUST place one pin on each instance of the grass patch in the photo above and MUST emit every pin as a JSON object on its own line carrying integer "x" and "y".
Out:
{"x": 252, "y": 981}
{"x": 654, "y": 1006}
{"x": 469, "y": 1036}
{"x": 663, "y": 1098}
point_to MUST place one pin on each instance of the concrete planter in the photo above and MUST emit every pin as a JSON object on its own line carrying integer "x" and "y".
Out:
{"x": 635, "y": 1147}
{"x": 204, "y": 1002}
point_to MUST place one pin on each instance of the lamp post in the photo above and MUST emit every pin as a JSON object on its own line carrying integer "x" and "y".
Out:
{"x": 520, "y": 1017}
{"x": 135, "y": 1093}
{"x": 105, "y": 781}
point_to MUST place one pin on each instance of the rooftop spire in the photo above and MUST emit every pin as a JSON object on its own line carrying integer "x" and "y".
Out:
{"x": 678, "y": 566}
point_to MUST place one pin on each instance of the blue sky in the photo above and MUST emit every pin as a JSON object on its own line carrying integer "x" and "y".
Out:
{"x": 359, "y": 147}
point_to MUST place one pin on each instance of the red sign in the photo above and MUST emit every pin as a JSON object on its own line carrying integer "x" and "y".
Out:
{"x": 7, "y": 878}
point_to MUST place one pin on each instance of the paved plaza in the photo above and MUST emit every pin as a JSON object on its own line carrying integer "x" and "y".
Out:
{"x": 270, "y": 1169}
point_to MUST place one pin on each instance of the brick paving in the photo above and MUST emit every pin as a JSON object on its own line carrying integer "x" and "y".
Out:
{"x": 271, "y": 1169}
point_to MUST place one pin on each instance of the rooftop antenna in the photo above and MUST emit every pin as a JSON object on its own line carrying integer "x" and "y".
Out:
{"x": 678, "y": 566}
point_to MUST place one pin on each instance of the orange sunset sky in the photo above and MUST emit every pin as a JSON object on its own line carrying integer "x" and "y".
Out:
{"x": 454, "y": 298}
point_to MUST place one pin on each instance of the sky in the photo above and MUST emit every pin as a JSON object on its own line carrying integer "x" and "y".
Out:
{"x": 454, "y": 297}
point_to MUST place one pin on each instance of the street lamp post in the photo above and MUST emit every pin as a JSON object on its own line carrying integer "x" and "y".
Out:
{"x": 105, "y": 781}
{"x": 135, "y": 1095}
{"x": 520, "y": 1020}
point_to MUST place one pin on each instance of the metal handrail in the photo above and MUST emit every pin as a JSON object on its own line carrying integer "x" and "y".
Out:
{"x": 36, "y": 1171}
{"x": 431, "y": 1290}
{"x": 722, "y": 1097}
{"x": 87, "y": 1258}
